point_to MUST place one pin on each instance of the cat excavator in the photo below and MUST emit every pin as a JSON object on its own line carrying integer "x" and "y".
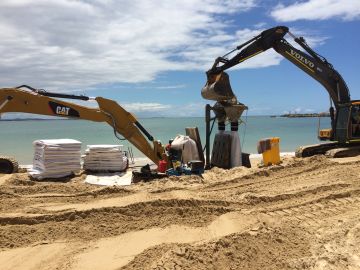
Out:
{"x": 344, "y": 133}
{"x": 25, "y": 99}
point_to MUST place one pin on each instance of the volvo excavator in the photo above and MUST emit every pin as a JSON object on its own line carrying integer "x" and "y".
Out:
{"x": 344, "y": 133}
{"x": 25, "y": 99}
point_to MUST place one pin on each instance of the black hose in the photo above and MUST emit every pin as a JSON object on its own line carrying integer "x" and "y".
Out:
{"x": 212, "y": 126}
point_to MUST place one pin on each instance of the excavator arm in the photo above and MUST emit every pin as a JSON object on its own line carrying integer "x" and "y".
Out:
{"x": 42, "y": 103}
{"x": 311, "y": 63}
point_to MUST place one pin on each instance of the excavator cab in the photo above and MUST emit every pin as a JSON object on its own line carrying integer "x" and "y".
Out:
{"x": 348, "y": 125}
{"x": 354, "y": 121}
{"x": 218, "y": 87}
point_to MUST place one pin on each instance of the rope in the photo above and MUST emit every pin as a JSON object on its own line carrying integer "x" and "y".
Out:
{"x": 244, "y": 133}
{"x": 212, "y": 126}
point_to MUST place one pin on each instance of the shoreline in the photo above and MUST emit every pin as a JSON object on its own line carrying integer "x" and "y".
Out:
{"x": 141, "y": 161}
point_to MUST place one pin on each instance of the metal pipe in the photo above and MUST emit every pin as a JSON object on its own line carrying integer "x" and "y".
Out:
{"x": 50, "y": 94}
{"x": 2, "y": 105}
{"x": 292, "y": 35}
{"x": 143, "y": 130}
{"x": 207, "y": 143}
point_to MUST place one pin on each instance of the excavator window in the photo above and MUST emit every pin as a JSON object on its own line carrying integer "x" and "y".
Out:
{"x": 355, "y": 121}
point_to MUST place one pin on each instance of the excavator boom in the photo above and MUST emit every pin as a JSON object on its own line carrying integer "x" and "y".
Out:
{"x": 109, "y": 111}
{"x": 313, "y": 64}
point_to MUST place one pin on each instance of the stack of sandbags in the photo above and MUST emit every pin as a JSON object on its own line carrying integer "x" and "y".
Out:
{"x": 102, "y": 158}
{"x": 56, "y": 158}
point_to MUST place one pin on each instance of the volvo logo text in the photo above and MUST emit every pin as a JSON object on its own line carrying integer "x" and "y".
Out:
{"x": 302, "y": 58}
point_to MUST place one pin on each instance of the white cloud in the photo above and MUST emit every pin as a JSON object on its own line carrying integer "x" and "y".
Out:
{"x": 166, "y": 110}
{"x": 189, "y": 109}
{"x": 267, "y": 58}
{"x": 317, "y": 10}
{"x": 139, "y": 107}
{"x": 300, "y": 110}
{"x": 175, "y": 86}
{"x": 69, "y": 44}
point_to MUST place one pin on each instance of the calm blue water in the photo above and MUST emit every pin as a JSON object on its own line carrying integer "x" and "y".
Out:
{"x": 16, "y": 137}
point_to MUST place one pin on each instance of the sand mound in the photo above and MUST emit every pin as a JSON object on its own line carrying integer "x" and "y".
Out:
{"x": 302, "y": 214}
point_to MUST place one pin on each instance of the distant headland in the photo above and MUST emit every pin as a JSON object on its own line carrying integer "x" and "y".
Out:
{"x": 301, "y": 115}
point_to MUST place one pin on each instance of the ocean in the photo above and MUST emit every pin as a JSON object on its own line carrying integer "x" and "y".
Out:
{"x": 16, "y": 137}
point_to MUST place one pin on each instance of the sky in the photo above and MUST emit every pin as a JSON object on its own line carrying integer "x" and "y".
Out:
{"x": 151, "y": 56}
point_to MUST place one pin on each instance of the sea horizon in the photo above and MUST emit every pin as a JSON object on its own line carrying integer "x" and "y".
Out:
{"x": 56, "y": 118}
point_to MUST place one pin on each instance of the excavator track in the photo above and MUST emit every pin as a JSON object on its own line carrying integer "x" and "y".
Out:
{"x": 8, "y": 165}
{"x": 334, "y": 150}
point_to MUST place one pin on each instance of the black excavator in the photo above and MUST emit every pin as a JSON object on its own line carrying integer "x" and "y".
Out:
{"x": 344, "y": 112}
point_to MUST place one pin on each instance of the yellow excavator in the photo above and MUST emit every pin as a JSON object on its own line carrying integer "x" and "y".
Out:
{"x": 345, "y": 117}
{"x": 26, "y": 99}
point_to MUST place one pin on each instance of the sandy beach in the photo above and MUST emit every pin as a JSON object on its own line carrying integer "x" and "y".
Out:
{"x": 302, "y": 214}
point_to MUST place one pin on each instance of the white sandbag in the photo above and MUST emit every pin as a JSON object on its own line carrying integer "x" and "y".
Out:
{"x": 55, "y": 158}
{"x": 40, "y": 175}
{"x": 187, "y": 146}
{"x": 105, "y": 158}
{"x": 105, "y": 147}
{"x": 110, "y": 179}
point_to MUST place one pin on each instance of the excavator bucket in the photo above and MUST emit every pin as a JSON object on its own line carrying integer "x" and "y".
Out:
{"x": 217, "y": 87}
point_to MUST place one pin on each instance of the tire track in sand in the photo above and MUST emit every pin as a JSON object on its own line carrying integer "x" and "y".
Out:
{"x": 315, "y": 212}
{"x": 115, "y": 252}
{"x": 141, "y": 197}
